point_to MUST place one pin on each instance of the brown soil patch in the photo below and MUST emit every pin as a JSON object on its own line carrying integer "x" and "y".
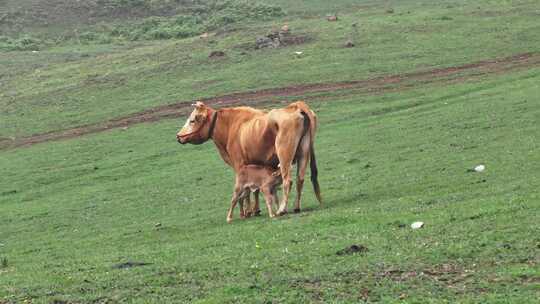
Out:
{"x": 530, "y": 279}
{"x": 216, "y": 54}
{"x": 258, "y": 97}
{"x": 353, "y": 249}
{"x": 130, "y": 265}
{"x": 449, "y": 273}
{"x": 295, "y": 39}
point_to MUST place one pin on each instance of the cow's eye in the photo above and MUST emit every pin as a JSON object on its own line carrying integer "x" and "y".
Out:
{"x": 192, "y": 121}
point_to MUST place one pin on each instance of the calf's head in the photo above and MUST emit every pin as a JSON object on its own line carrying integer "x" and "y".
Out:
{"x": 197, "y": 128}
{"x": 276, "y": 178}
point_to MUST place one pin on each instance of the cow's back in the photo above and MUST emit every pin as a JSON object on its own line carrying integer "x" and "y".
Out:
{"x": 253, "y": 136}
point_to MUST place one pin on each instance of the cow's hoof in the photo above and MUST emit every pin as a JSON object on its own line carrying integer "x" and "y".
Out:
{"x": 257, "y": 213}
{"x": 280, "y": 213}
{"x": 297, "y": 210}
{"x": 229, "y": 220}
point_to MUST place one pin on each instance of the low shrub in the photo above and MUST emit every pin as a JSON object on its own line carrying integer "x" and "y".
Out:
{"x": 24, "y": 43}
{"x": 196, "y": 18}
{"x": 201, "y": 18}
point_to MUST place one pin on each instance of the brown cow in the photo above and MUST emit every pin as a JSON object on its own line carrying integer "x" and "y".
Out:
{"x": 246, "y": 136}
{"x": 252, "y": 178}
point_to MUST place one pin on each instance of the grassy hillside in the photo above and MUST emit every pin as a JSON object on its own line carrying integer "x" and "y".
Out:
{"x": 28, "y": 15}
{"x": 72, "y": 210}
{"x": 58, "y": 15}
{"x": 105, "y": 81}
{"x": 129, "y": 215}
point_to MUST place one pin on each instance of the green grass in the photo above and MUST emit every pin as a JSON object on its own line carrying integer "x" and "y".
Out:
{"x": 120, "y": 80}
{"x": 71, "y": 211}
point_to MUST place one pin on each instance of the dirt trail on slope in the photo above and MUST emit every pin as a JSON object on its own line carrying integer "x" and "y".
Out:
{"x": 258, "y": 97}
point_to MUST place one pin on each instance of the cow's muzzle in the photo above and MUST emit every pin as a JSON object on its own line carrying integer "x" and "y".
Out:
{"x": 180, "y": 139}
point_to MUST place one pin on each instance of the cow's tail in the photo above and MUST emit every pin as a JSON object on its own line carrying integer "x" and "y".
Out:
{"x": 314, "y": 173}
{"x": 311, "y": 126}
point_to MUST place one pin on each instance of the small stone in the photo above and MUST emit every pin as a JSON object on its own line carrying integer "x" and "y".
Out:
{"x": 215, "y": 54}
{"x": 264, "y": 42}
{"x": 479, "y": 168}
{"x": 332, "y": 18}
{"x": 417, "y": 225}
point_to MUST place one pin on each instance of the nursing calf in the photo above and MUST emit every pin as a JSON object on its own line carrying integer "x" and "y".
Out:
{"x": 251, "y": 178}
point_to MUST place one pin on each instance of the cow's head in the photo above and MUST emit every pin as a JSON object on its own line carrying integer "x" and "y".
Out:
{"x": 197, "y": 128}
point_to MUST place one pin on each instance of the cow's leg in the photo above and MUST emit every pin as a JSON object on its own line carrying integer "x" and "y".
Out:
{"x": 299, "y": 186}
{"x": 268, "y": 198}
{"x": 286, "y": 143}
{"x": 234, "y": 200}
{"x": 256, "y": 209}
{"x": 301, "y": 166}
{"x": 287, "y": 185}
{"x": 286, "y": 166}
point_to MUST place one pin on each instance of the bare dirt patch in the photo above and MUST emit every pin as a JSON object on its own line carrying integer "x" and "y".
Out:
{"x": 258, "y": 97}
{"x": 353, "y": 249}
{"x": 533, "y": 280}
{"x": 449, "y": 273}
{"x": 216, "y": 54}
{"x": 130, "y": 265}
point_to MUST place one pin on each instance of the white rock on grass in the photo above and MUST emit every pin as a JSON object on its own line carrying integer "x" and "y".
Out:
{"x": 417, "y": 225}
{"x": 479, "y": 168}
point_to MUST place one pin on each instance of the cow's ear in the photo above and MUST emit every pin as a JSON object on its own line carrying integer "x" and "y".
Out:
{"x": 199, "y": 118}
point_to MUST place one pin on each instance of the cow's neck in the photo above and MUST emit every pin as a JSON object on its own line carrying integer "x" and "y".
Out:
{"x": 220, "y": 135}
{"x": 227, "y": 125}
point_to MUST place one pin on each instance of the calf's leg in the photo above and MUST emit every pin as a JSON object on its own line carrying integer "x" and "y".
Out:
{"x": 268, "y": 198}
{"x": 256, "y": 209}
{"x": 245, "y": 206}
{"x": 275, "y": 198}
{"x": 234, "y": 200}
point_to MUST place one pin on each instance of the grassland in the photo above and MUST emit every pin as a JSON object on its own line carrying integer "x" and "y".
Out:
{"x": 76, "y": 216}
{"x": 105, "y": 81}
